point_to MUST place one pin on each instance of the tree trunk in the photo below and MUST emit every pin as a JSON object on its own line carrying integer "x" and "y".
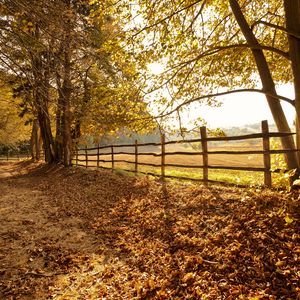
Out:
{"x": 59, "y": 126}
{"x": 34, "y": 141}
{"x": 41, "y": 100}
{"x": 41, "y": 103}
{"x": 46, "y": 134}
{"x": 267, "y": 84}
{"x": 66, "y": 94}
{"x": 292, "y": 17}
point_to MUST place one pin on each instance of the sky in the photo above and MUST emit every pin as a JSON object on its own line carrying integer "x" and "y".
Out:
{"x": 238, "y": 109}
{"x": 245, "y": 108}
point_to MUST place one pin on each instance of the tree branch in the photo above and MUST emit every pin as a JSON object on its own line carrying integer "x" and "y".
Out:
{"x": 217, "y": 49}
{"x": 282, "y": 28}
{"x": 213, "y": 51}
{"x": 292, "y": 102}
{"x": 167, "y": 17}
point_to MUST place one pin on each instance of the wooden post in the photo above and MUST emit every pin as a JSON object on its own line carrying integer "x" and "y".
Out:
{"x": 163, "y": 156}
{"x": 136, "y": 154}
{"x": 267, "y": 158}
{"x": 86, "y": 157}
{"x": 98, "y": 156}
{"x": 76, "y": 154}
{"x": 204, "y": 155}
{"x": 112, "y": 158}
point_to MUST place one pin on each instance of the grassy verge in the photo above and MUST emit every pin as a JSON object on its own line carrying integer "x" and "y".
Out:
{"x": 230, "y": 176}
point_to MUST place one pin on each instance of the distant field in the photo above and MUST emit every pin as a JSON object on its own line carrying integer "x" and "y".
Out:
{"x": 232, "y": 176}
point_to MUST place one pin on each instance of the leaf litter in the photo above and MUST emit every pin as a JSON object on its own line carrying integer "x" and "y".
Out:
{"x": 78, "y": 234}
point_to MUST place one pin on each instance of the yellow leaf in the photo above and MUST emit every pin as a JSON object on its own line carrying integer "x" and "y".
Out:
{"x": 280, "y": 263}
{"x": 296, "y": 182}
{"x": 187, "y": 277}
{"x": 288, "y": 220}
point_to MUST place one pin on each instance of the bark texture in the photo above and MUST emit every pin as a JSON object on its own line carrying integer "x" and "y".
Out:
{"x": 292, "y": 16}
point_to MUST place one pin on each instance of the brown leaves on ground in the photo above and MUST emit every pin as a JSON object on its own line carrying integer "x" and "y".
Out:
{"x": 105, "y": 236}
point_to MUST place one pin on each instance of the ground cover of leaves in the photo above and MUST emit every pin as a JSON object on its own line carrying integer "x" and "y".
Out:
{"x": 78, "y": 234}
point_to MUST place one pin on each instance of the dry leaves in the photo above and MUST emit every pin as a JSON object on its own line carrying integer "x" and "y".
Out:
{"x": 171, "y": 241}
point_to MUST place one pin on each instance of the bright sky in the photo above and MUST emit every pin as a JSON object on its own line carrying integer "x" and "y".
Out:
{"x": 245, "y": 108}
{"x": 237, "y": 109}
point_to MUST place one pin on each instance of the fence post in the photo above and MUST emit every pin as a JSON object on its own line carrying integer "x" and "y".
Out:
{"x": 86, "y": 157}
{"x": 76, "y": 154}
{"x": 267, "y": 158}
{"x": 163, "y": 156}
{"x": 112, "y": 158}
{"x": 98, "y": 156}
{"x": 136, "y": 154}
{"x": 204, "y": 155}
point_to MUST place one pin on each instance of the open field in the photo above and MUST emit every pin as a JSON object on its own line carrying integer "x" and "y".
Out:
{"x": 82, "y": 234}
{"x": 231, "y": 176}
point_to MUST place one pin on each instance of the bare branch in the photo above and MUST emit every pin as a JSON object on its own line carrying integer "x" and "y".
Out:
{"x": 167, "y": 17}
{"x": 292, "y": 102}
{"x": 282, "y": 28}
{"x": 217, "y": 49}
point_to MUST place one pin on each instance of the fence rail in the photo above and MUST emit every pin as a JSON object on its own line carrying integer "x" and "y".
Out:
{"x": 205, "y": 153}
{"x": 11, "y": 157}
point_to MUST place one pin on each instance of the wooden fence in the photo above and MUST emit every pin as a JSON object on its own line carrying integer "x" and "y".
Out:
{"x": 95, "y": 154}
{"x": 14, "y": 156}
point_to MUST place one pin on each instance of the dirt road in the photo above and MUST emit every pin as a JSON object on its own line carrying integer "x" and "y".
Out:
{"x": 36, "y": 239}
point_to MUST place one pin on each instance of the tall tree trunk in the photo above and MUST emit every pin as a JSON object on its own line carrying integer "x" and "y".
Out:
{"x": 46, "y": 134}
{"x": 66, "y": 94}
{"x": 41, "y": 100}
{"x": 267, "y": 83}
{"x": 292, "y": 17}
{"x": 59, "y": 126}
{"x": 41, "y": 104}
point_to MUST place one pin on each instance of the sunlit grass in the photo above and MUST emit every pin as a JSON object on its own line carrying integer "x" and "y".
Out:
{"x": 230, "y": 176}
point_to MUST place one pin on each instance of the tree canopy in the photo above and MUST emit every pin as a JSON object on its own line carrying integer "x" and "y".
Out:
{"x": 11, "y": 110}
{"x": 68, "y": 60}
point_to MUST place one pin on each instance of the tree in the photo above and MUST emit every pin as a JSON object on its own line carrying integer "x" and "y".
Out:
{"x": 13, "y": 129}
{"x": 212, "y": 48}
{"x": 67, "y": 51}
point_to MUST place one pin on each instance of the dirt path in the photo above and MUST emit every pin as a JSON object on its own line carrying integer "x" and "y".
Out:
{"x": 7, "y": 170}
{"x": 36, "y": 243}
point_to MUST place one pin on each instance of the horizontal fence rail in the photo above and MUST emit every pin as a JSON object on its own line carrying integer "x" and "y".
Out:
{"x": 14, "y": 156}
{"x": 84, "y": 157}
